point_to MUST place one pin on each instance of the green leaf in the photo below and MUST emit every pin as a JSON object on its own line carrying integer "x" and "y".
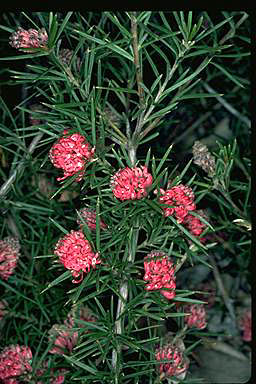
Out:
{"x": 65, "y": 275}
{"x": 78, "y": 363}
{"x": 229, "y": 75}
{"x": 163, "y": 159}
{"x": 203, "y": 34}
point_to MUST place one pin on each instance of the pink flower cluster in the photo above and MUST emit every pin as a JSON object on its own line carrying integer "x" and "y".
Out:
{"x": 131, "y": 183}
{"x": 245, "y": 324}
{"x": 9, "y": 255}
{"x": 65, "y": 337}
{"x": 197, "y": 317}
{"x": 29, "y": 38}
{"x": 76, "y": 254}
{"x": 159, "y": 272}
{"x": 71, "y": 153}
{"x": 15, "y": 360}
{"x": 89, "y": 217}
{"x": 177, "y": 363}
{"x": 180, "y": 200}
{"x": 55, "y": 377}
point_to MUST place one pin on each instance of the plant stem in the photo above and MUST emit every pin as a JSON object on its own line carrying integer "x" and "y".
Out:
{"x": 7, "y": 185}
{"x": 221, "y": 287}
{"x": 123, "y": 291}
{"x": 229, "y": 107}
{"x": 134, "y": 30}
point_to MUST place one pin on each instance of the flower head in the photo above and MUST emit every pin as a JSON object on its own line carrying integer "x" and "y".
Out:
{"x": 89, "y": 216}
{"x": 245, "y": 324}
{"x": 63, "y": 338}
{"x": 79, "y": 313}
{"x": 9, "y": 254}
{"x": 131, "y": 183}
{"x": 159, "y": 272}
{"x": 203, "y": 158}
{"x": 15, "y": 361}
{"x": 66, "y": 55}
{"x": 71, "y": 153}
{"x": 195, "y": 225}
{"x": 29, "y": 38}
{"x": 56, "y": 377}
{"x": 76, "y": 254}
{"x": 176, "y": 364}
{"x": 181, "y": 200}
{"x": 197, "y": 317}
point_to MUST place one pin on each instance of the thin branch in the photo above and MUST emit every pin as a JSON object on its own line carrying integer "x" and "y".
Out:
{"x": 224, "y": 294}
{"x": 134, "y": 30}
{"x": 229, "y": 107}
{"x": 232, "y": 31}
{"x": 7, "y": 185}
{"x": 123, "y": 291}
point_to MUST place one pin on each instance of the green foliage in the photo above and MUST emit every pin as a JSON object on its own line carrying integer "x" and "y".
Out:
{"x": 136, "y": 72}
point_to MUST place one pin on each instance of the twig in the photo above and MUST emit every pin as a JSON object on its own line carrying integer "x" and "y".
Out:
{"x": 123, "y": 291}
{"x": 224, "y": 294}
{"x": 7, "y": 185}
{"x": 228, "y": 106}
{"x": 134, "y": 30}
{"x": 232, "y": 31}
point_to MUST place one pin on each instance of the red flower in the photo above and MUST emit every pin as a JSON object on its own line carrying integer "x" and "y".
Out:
{"x": 64, "y": 339}
{"x": 181, "y": 200}
{"x": 197, "y": 317}
{"x": 55, "y": 377}
{"x": 14, "y": 361}
{"x": 71, "y": 153}
{"x": 159, "y": 272}
{"x": 245, "y": 324}
{"x": 89, "y": 216}
{"x": 9, "y": 254}
{"x": 76, "y": 254}
{"x": 79, "y": 313}
{"x": 29, "y": 39}
{"x": 131, "y": 183}
{"x": 177, "y": 363}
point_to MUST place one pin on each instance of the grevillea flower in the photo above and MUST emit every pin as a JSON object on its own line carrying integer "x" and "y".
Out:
{"x": 66, "y": 55}
{"x": 79, "y": 313}
{"x": 203, "y": 158}
{"x": 29, "y": 39}
{"x": 56, "y": 377}
{"x": 197, "y": 317}
{"x": 71, "y": 153}
{"x": 3, "y": 309}
{"x": 245, "y": 324}
{"x": 15, "y": 360}
{"x": 131, "y": 183}
{"x": 9, "y": 255}
{"x": 76, "y": 254}
{"x": 195, "y": 225}
{"x": 63, "y": 338}
{"x": 89, "y": 216}
{"x": 177, "y": 363}
{"x": 159, "y": 272}
{"x": 180, "y": 200}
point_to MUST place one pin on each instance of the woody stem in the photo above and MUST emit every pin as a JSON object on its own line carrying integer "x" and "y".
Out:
{"x": 123, "y": 291}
